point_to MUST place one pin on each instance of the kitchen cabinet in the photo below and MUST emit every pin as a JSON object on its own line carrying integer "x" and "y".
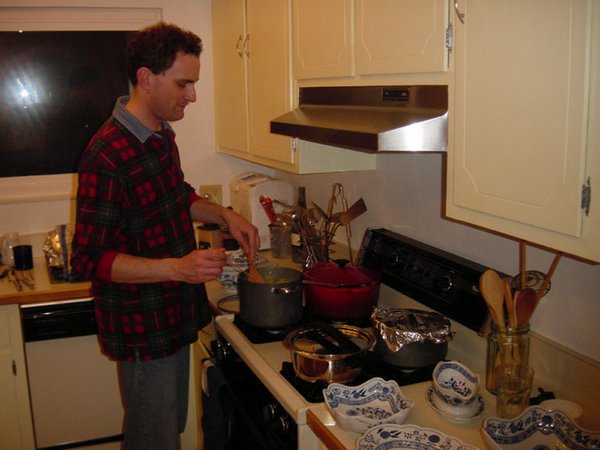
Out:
{"x": 252, "y": 78}
{"x": 344, "y": 38}
{"x": 253, "y": 84}
{"x": 16, "y": 426}
{"x": 522, "y": 145}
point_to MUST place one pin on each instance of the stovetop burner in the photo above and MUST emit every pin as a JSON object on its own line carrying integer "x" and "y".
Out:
{"x": 373, "y": 367}
{"x": 262, "y": 336}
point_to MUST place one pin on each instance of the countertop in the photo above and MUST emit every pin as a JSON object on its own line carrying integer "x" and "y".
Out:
{"x": 44, "y": 291}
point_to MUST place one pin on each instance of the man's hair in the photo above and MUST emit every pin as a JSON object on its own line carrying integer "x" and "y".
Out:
{"x": 156, "y": 48}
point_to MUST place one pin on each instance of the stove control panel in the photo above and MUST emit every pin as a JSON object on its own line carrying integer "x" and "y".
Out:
{"x": 440, "y": 280}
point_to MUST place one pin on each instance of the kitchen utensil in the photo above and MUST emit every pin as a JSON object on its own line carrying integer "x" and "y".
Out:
{"x": 525, "y": 302}
{"x": 532, "y": 279}
{"x": 340, "y": 292}
{"x": 510, "y": 306}
{"x": 253, "y": 274}
{"x": 411, "y": 338}
{"x": 9, "y": 240}
{"x": 546, "y": 283}
{"x": 492, "y": 290}
{"x": 267, "y": 205}
{"x": 522, "y": 264}
{"x": 314, "y": 362}
{"x": 274, "y": 304}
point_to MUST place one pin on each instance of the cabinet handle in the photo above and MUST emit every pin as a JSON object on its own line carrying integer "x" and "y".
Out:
{"x": 14, "y": 368}
{"x": 238, "y": 48}
{"x": 247, "y": 46}
{"x": 461, "y": 16}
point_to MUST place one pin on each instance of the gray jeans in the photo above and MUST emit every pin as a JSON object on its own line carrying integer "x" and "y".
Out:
{"x": 155, "y": 398}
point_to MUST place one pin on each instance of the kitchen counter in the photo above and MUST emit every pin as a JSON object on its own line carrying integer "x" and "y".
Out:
{"x": 44, "y": 291}
{"x": 335, "y": 438}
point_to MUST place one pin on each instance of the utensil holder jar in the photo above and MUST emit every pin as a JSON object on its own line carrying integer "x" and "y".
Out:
{"x": 508, "y": 346}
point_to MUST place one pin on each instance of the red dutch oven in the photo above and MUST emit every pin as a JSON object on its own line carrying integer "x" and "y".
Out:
{"x": 338, "y": 291}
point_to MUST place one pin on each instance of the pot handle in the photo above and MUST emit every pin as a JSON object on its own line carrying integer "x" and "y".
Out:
{"x": 285, "y": 290}
{"x": 345, "y": 344}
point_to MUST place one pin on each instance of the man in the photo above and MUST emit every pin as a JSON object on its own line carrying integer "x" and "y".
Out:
{"x": 134, "y": 238}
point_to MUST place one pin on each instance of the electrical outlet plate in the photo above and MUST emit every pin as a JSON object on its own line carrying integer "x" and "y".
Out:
{"x": 212, "y": 192}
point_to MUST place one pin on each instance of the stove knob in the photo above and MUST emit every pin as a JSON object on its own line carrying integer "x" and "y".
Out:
{"x": 284, "y": 424}
{"x": 446, "y": 283}
{"x": 269, "y": 412}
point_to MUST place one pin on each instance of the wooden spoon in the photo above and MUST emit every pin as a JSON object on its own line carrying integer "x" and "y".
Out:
{"x": 509, "y": 300}
{"x": 253, "y": 274}
{"x": 492, "y": 290}
{"x": 525, "y": 302}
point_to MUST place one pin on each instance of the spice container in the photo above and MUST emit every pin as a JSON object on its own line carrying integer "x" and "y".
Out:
{"x": 209, "y": 236}
{"x": 508, "y": 346}
{"x": 281, "y": 244}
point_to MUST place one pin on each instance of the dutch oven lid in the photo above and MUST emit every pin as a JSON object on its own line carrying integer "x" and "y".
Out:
{"x": 398, "y": 327}
{"x": 341, "y": 274}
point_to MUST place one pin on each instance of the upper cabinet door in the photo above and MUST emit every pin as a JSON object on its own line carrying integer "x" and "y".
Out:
{"x": 521, "y": 131}
{"x": 269, "y": 76}
{"x": 322, "y": 38}
{"x": 401, "y": 36}
{"x": 521, "y": 102}
{"x": 230, "y": 39}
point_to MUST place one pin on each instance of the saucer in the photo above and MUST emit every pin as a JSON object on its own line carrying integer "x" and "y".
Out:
{"x": 458, "y": 414}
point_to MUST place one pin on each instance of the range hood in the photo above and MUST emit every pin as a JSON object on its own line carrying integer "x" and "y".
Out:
{"x": 370, "y": 118}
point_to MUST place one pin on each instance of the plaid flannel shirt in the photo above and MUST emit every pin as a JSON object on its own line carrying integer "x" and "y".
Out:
{"x": 132, "y": 198}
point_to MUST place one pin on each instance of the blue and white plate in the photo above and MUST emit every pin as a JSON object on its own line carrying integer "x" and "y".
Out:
{"x": 393, "y": 437}
{"x": 453, "y": 413}
{"x": 376, "y": 401}
{"x": 539, "y": 429}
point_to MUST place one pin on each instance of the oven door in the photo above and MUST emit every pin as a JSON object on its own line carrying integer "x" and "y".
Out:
{"x": 249, "y": 416}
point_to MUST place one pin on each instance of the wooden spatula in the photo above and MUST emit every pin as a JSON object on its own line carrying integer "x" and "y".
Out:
{"x": 253, "y": 274}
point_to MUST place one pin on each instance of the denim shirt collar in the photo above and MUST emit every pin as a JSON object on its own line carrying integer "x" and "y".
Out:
{"x": 131, "y": 122}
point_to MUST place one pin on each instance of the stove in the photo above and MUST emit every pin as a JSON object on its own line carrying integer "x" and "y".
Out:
{"x": 439, "y": 280}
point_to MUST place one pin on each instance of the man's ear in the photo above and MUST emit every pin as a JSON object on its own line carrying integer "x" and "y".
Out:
{"x": 144, "y": 76}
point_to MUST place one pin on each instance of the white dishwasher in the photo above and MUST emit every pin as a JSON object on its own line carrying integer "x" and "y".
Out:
{"x": 74, "y": 388}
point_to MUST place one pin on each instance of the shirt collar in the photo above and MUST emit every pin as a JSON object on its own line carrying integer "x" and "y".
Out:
{"x": 129, "y": 121}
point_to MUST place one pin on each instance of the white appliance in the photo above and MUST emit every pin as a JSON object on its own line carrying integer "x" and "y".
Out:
{"x": 245, "y": 191}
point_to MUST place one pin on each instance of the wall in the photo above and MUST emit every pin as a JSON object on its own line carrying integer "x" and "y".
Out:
{"x": 405, "y": 194}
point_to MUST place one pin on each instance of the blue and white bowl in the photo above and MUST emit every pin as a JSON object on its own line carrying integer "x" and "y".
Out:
{"x": 537, "y": 428}
{"x": 375, "y": 402}
{"x": 455, "y": 382}
{"x": 397, "y": 437}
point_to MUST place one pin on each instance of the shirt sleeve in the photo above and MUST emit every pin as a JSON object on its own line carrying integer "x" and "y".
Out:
{"x": 96, "y": 239}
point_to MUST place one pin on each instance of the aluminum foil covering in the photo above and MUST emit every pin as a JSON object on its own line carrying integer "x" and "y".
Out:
{"x": 53, "y": 250}
{"x": 398, "y": 327}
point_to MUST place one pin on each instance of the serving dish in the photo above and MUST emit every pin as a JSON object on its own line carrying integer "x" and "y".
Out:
{"x": 458, "y": 414}
{"x": 537, "y": 428}
{"x": 376, "y": 401}
{"x": 392, "y": 437}
{"x": 455, "y": 382}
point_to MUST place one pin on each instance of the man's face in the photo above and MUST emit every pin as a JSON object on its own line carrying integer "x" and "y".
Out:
{"x": 173, "y": 89}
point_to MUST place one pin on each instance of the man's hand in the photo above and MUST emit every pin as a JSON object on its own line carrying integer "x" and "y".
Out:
{"x": 199, "y": 266}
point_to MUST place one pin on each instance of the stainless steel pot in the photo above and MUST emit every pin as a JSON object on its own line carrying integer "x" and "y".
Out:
{"x": 275, "y": 304}
{"x": 329, "y": 353}
{"x": 411, "y": 338}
